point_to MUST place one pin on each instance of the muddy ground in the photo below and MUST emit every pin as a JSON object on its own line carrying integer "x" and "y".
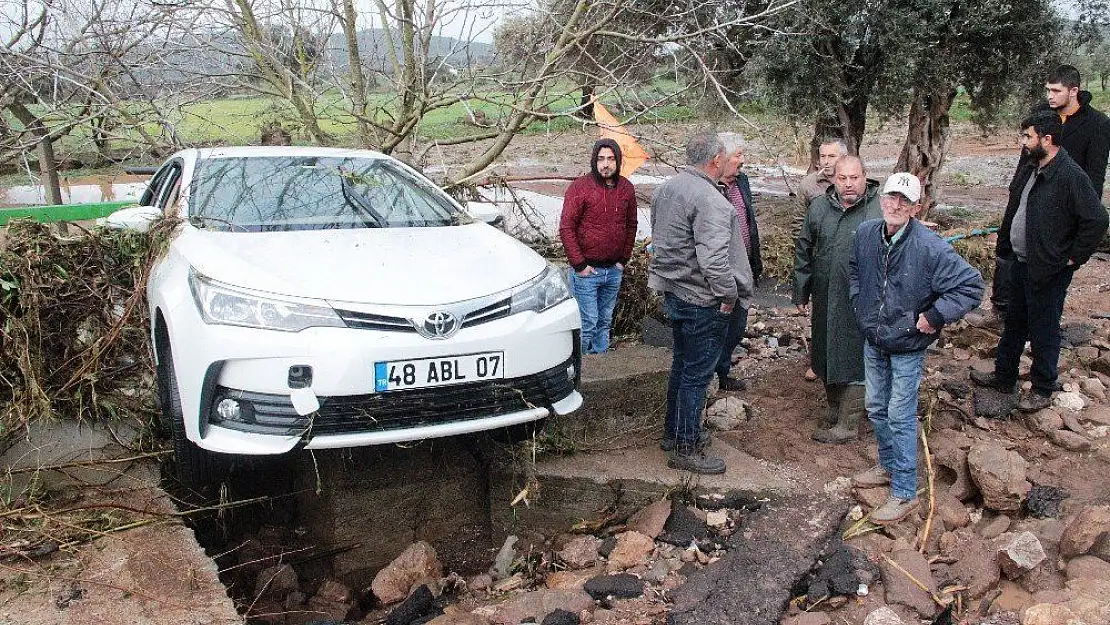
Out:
{"x": 777, "y": 432}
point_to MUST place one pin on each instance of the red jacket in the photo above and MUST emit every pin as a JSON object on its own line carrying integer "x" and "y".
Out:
{"x": 598, "y": 225}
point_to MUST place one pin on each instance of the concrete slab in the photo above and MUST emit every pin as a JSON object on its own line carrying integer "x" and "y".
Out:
{"x": 612, "y": 485}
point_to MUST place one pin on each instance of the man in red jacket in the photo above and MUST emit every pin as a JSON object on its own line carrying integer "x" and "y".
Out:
{"x": 598, "y": 228}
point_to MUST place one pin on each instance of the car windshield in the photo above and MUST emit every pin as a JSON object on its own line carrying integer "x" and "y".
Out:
{"x": 258, "y": 194}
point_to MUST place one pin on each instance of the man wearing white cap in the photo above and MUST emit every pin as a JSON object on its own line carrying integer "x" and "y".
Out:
{"x": 905, "y": 284}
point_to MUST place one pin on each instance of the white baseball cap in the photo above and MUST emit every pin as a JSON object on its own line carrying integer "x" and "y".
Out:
{"x": 905, "y": 183}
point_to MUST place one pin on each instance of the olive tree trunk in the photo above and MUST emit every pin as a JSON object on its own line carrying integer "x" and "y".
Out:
{"x": 927, "y": 140}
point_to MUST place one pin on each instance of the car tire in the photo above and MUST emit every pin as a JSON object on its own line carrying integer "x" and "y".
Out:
{"x": 197, "y": 469}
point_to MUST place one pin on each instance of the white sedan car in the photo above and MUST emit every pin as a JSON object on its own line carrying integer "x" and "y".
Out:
{"x": 322, "y": 298}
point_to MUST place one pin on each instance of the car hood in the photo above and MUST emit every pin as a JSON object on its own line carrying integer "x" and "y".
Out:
{"x": 406, "y": 266}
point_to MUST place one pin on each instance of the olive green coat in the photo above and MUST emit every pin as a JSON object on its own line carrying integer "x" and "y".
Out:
{"x": 821, "y": 255}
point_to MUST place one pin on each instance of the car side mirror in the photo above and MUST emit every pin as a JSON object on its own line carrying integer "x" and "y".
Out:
{"x": 136, "y": 218}
{"x": 485, "y": 211}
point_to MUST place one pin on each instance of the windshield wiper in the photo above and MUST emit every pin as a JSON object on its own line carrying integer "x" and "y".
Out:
{"x": 357, "y": 202}
{"x": 202, "y": 221}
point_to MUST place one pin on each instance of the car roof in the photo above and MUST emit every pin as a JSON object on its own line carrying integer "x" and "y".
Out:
{"x": 279, "y": 150}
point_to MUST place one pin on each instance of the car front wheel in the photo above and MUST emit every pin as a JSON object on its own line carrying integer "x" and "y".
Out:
{"x": 197, "y": 469}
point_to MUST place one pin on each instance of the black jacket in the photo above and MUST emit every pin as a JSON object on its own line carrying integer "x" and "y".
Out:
{"x": 1086, "y": 137}
{"x": 1063, "y": 219}
{"x": 755, "y": 258}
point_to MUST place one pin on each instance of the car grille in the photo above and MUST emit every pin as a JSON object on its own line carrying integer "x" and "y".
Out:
{"x": 390, "y": 323}
{"x": 274, "y": 414}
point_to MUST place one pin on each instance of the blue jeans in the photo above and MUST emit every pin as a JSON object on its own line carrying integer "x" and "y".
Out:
{"x": 737, "y": 324}
{"x": 597, "y": 299}
{"x": 892, "y": 384}
{"x": 1032, "y": 313}
{"x": 699, "y": 332}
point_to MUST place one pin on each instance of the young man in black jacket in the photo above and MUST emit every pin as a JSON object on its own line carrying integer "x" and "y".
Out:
{"x": 1053, "y": 223}
{"x": 1086, "y": 137}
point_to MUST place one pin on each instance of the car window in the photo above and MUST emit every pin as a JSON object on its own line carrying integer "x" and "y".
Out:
{"x": 313, "y": 193}
{"x": 171, "y": 189}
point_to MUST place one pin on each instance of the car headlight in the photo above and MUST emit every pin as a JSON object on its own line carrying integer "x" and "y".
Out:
{"x": 223, "y": 304}
{"x": 543, "y": 292}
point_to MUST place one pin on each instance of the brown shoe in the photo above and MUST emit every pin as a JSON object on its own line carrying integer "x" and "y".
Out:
{"x": 894, "y": 510}
{"x": 874, "y": 477}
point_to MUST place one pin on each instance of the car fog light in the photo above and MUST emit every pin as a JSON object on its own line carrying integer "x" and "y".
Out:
{"x": 571, "y": 371}
{"x": 229, "y": 410}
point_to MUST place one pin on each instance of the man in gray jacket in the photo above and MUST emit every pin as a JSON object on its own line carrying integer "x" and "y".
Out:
{"x": 700, "y": 265}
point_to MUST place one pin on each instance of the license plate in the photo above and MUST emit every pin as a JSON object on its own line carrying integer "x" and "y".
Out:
{"x": 427, "y": 372}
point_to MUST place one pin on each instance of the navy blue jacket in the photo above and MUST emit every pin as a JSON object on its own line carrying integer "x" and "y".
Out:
{"x": 920, "y": 273}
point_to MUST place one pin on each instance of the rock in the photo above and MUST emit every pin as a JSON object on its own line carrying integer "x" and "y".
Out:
{"x": 657, "y": 572}
{"x": 871, "y": 497}
{"x": 992, "y": 404}
{"x": 276, "y": 582}
{"x": 1088, "y": 567}
{"x": 951, "y": 511}
{"x": 1000, "y": 476}
{"x": 809, "y": 618}
{"x": 1098, "y": 414}
{"x": 568, "y": 580}
{"x": 1011, "y": 598}
{"x": 1084, "y": 530}
{"x": 727, "y": 413}
{"x": 650, "y": 521}
{"x": 1045, "y": 421}
{"x": 1072, "y": 423}
{"x": 504, "y": 560}
{"x": 950, "y": 453}
{"x": 976, "y": 562}
{"x": 838, "y": 486}
{"x": 607, "y": 546}
{"x": 1086, "y": 355}
{"x": 1093, "y": 387}
{"x": 716, "y": 518}
{"x": 420, "y": 603}
{"x": 1076, "y": 334}
{"x": 540, "y": 603}
{"x": 1102, "y": 548}
{"x": 1018, "y": 553}
{"x": 1070, "y": 440}
{"x": 1069, "y": 401}
{"x": 620, "y": 586}
{"x": 1102, "y": 364}
{"x": 417, "y": 563}
{"x": 513, "y": 582}
{"x": 459, "y": 618}
{"x": 633, "y": 549}
{"x": 580, "y": 552}
{"x": 883, "y": 616}
{"x": 898, "y": 587}
{"x": 559, "y": 616}
{"x": 332, "y": 601}
{"x": 1047, "y": 614}
{"x": 481, "y": 581}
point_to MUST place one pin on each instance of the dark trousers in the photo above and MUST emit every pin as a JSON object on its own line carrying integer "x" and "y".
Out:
{"x": 1000, "y": 286}
{"x": 698, "y": 334}
{"x": 737, "y": 324}
{"x": 1033, "y": 314}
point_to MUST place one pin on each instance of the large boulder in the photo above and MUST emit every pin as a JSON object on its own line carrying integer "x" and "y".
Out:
{"x": 976, "y": 563}
{"x": 1084, "y": 530}
{"x": 727, "y": 413}
{"x": 417, "y": 563}
{"x": 1000, "y": 476}
{"x": 950, "y": 453}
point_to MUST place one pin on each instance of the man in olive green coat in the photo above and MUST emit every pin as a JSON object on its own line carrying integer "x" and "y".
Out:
{"x": 822, "y": 250}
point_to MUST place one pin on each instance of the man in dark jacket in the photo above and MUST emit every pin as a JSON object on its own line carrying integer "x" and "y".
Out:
{"x": 821, "y": 256}
{"x": 598, "y": 229}
{"x": 1053, "y": 223}
{"x": 906, "y": 283}
{"x": 1085, "y": 136}
{"x": 738, "y": 192}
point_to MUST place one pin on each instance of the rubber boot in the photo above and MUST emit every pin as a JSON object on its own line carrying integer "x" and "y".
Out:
{"x": 832, "y": 411}
{"x": 852, "y": 411}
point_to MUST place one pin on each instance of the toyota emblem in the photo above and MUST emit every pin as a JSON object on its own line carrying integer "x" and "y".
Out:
{"x": 440, "y": 325}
